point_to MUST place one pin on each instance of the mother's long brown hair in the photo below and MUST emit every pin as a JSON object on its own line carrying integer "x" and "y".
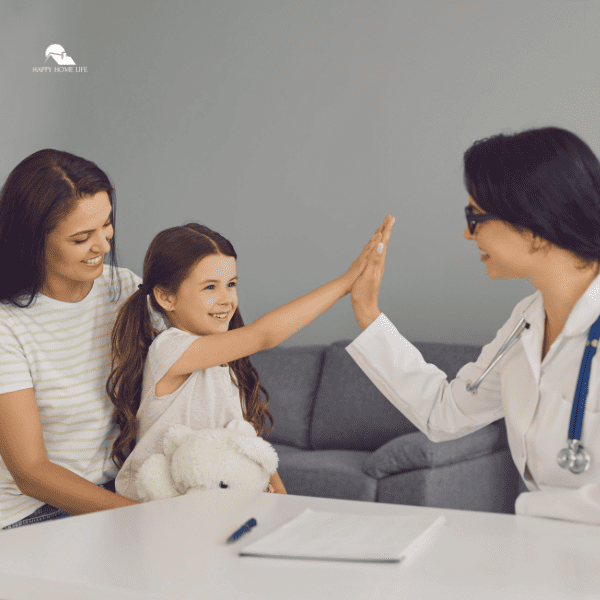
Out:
{"x": 40, "y": 192}
{"x": 171, "y": 256}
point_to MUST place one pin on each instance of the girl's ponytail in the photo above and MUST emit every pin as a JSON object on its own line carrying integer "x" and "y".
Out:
{"x": 132, "y": 335}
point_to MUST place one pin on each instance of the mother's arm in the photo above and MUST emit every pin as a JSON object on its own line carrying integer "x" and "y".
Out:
{"x": 24, "y": 453}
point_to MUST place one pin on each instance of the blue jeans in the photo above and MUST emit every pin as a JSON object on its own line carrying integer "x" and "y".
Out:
{"x": 47, "y": 512}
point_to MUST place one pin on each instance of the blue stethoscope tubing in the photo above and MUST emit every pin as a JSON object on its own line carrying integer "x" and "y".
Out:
{"x": 574, "y": 457}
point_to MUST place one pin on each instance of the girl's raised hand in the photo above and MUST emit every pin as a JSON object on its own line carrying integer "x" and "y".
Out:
{"x": 380, "y": 240}
{"x": 365, "y": 290}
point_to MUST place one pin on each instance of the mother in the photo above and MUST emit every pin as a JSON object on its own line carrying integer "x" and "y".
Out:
{"x": 58, "y": 303}
{"x": 534, "y": 211}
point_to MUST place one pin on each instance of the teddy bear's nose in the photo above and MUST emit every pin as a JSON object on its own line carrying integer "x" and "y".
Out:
{"x": 223, "y": 485}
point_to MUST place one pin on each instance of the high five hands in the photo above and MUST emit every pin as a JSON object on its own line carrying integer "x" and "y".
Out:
{"x": 365, "y": 287}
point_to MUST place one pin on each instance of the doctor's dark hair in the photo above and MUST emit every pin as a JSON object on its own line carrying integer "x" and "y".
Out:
{"x": 39, "y": 192}
{"x": 544, "y": 180}
{"x": 172, "y": 254}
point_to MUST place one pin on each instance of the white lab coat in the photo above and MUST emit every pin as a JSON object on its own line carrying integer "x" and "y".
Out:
{"x": 535, "y": 399}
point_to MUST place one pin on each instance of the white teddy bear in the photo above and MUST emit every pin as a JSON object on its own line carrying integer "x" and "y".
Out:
{"x": 234, "y": 457}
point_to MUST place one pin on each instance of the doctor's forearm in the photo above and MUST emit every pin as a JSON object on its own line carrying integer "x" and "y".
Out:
{"x": 580, "y": 505}
{"x": 365, "y": 315}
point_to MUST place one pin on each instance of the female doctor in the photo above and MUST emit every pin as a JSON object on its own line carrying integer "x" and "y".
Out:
{"x": 534, "y": 212}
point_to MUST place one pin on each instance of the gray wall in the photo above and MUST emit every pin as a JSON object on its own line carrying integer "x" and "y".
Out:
{"x": 293, "y": 128}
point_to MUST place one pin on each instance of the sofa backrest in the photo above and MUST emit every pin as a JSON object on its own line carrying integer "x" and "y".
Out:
{"x": 351, "y": 413}
{"x": 290, "y": 375}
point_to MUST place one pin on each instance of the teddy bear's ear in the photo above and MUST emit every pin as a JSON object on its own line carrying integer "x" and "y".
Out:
{"x": 174, "y": 437}
{"x": 256, "y": 449}
{"x": 241, "y": 426}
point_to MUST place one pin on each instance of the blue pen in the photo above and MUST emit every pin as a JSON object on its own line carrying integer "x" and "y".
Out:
{"x": 241, "y": 531}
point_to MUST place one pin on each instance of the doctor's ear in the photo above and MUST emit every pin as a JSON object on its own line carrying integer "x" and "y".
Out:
{"x": 538, "y": 243}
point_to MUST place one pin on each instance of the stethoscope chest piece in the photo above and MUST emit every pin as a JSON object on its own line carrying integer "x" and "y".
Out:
{"x": 574, "y": 457}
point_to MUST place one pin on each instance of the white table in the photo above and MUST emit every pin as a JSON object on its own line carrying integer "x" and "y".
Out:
{"x": 175, "y": 549}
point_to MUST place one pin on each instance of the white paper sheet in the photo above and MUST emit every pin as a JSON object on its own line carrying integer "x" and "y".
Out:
{"x": 329, "y": 536}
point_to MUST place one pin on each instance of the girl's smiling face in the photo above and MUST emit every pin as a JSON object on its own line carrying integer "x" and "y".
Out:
{"x": 207, "y": 298}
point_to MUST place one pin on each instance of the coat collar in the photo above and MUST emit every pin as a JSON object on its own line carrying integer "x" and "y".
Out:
{"x": 584, "y": 314}
{"x": 582, "y": 317}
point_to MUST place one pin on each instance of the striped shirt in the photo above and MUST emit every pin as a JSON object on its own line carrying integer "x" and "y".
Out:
{"x": 63, "y": 351}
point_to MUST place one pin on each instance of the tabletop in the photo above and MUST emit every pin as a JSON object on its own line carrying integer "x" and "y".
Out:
{"x": 175, "y": 549}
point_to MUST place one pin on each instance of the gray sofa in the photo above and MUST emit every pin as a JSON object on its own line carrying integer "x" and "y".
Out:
{"x": 337, "y": 436}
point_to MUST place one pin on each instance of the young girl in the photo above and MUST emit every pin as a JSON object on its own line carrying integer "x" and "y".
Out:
{"x": 198, "y": 371}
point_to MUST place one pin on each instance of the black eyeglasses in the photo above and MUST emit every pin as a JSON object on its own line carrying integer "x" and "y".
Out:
{"x": 472, "y": 219}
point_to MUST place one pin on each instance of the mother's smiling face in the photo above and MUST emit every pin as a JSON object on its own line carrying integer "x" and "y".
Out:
{"x": 75, "y": 248}
{"x": 56, "y": 225}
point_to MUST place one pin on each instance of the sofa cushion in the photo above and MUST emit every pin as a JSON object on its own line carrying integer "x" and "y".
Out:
{"x": 489, "y": 483}
{"x": 350, "y": 412}
{"x": 290, "y": 376}
{"x": 415, "y": 451}
{"x": 325, "y": 473}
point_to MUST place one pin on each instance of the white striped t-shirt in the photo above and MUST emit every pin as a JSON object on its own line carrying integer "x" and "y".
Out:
{"x": 63, "y": 351}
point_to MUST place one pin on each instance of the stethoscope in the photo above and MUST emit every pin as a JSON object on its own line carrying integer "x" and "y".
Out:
{"x": 574, "y": 457}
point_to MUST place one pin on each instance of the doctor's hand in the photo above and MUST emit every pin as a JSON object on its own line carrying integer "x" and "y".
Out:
{"x": 365, "y": 290}
{"x": 360, "y": 264}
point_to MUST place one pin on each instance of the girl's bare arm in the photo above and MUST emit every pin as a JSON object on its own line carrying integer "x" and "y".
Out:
{"x": 276, "y": 326}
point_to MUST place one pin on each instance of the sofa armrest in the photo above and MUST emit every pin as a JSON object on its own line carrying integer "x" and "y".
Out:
{"x": 415, "y": 451}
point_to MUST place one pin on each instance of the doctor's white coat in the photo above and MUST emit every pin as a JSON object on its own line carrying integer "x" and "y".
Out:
{"x": 535, "y": 399}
